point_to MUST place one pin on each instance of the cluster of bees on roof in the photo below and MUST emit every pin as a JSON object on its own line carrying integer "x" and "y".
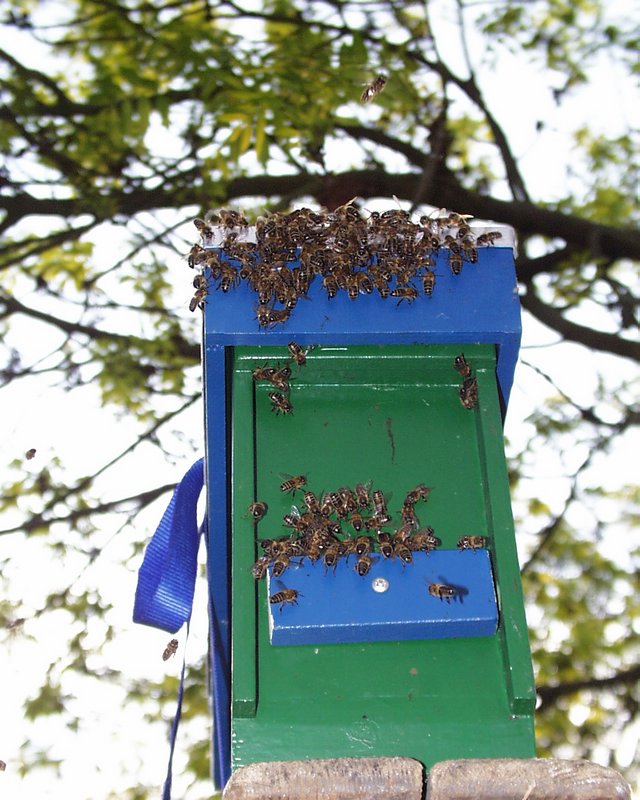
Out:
{"x": 347, "y": 524}
{"x": 386, "y": 253}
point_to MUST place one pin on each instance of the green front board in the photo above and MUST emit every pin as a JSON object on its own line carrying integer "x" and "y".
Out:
{"x": 390, "y": 415}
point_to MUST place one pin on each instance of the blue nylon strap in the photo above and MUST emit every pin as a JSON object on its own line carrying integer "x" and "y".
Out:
{"x": 167, "y": 576}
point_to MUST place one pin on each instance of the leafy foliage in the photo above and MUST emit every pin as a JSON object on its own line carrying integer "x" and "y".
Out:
{"x": 122, "y": 121}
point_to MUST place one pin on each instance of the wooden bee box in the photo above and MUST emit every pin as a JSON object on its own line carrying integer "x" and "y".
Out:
{"x": 378, "y": 400}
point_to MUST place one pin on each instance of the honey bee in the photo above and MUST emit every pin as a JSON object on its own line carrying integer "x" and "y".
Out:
{"x": 469, "y": 393}
{"x": 461, "y": 365}
{"x": 331, "y": 555}
{"x": 3, "y": 766}
{"x": 279, "y": 316}
{"x": 259, "y": 569}
{"x": 279, "y": 403}
{"x": 401, "y": 549}
{"x": 311, "y": 502}
{"x": 379, "y": 503}
{"x": 357, "y": 521}
{"x": 363, "y": 564}
{"x": 469, "y": 252}
{"x": 442, "y": 591}
{"x": 421, "y": 492}
{"x": 472, "y": 542}
{"x": 227, "y": 217}
{"x": 297, "y": 354}
{"x": 264, "y": 373}
{"x": 408, "y": 293}
{"x": 331, "y": 285}
{"x": 455, "y": 263}
{"x": 293, "y": 483}
{"x": 199, "y": 298}
{"x": 196, "y": 256}
{"x": 170, "y": 650}
{"x": 373, "y": 89}
{"x": 423, "y": 540}
{"x": 428, "y": 282}
{"x": 384, "y": 544}
{"x": 285, "y": 596}
{"x": 488, "y": 238}
{"x": 362, "y": 494}
{"x": 377, "y": 521}
{"x": 263, "y": 315}
{"x": 326, "y": 505}
{"x": 31, "y": 453}
{"x": 257, "y": 510}
{"x": 280, "y": 564}
{"x": 409, "y": 515}
{"x": 204, "y": 229}
{"x": 363, "y": 545}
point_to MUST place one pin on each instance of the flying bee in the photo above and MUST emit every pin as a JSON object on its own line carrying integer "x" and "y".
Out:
{"x": 469, "y": 393}
{"x": 227, "y": 217}
{"x": 442, "y": 591}
{"x": 488, "y": 238}
{"x": 170, "y": 650}
{"x": 3, "y": 766}
{"x": 259, "y": 569}
{"x": 285, "y": 596}
{"x": 363, "y": 564}
{"x": 428, "y": 282}
{"x": 257, "y": 510}
{"x": 279, "y": 403}
{"x": 361, "y": 492}
{"x": 460, "y": 365}
{"x": 373, "y": 88}
{"x": 297, "y": 354}
{"x": 293, "y": 483}
{"x": 472, "y": 542}
{"x": 31, "y": 453}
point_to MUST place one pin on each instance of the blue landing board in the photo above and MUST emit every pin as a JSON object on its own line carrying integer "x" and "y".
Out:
{"x": 334, "y": 608}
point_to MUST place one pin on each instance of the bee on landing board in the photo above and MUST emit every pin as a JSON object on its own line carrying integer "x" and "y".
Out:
{"x": 285, "y": 596}
{"x": 257, "y": 510}
{"x": 170, "y": 650}
{"x": 442, "y": 591}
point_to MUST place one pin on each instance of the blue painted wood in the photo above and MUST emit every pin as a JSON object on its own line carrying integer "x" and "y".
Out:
{"x": 342, "y": 606}
{"x": 479, "y": 306}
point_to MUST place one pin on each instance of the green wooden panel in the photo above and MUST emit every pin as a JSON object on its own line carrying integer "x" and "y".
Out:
{"x": 388, "y": 414}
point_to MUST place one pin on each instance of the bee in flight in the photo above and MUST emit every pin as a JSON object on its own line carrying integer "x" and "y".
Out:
{"x": 31, "y": 453}
{"x": 170, "y": 650}
{"x": 373, "y": 89}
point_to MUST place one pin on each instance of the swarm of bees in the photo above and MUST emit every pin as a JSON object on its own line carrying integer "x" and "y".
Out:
{"x": 279, "y": 378}
{"x": 387, "y": 253}
{"x": 345, "y": 524}
{"x": 468, "y": 391}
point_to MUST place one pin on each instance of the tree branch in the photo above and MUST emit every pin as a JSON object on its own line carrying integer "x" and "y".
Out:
{"x": 549, "y": 694}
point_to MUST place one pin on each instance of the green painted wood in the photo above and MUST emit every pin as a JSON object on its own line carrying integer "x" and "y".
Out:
{"x": 389, "y": 414}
